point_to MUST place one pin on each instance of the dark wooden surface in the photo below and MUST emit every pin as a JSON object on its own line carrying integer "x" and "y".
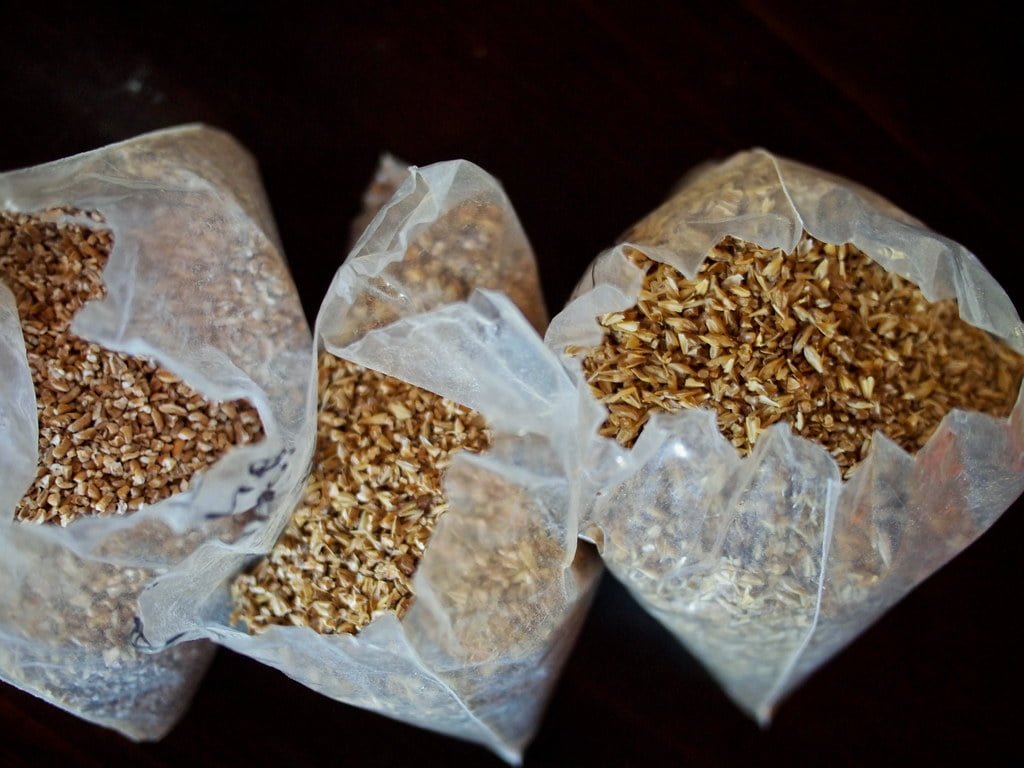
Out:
{"x": 587, "y": 113}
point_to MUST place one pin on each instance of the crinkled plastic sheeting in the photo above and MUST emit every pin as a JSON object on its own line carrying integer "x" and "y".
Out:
{"x": 197, "y": 280}
{"x": 478, "y": 670}
{"x": 766, "y": 566}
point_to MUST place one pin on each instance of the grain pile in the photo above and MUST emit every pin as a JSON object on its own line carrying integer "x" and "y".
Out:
{"x": 733, "y": 558}
{"x": 460, "y": 251}
{"x": 352, "y": 546}
{"x": 822, "y": 338}
{"x": 115, "y": 432}
{"x": 351, "y": 549}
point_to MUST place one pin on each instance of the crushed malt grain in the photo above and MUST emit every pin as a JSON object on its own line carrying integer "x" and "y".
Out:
{"x": 371, "y": 503}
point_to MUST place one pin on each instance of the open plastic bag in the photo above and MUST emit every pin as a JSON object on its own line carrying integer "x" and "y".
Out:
{"x": 766, "y": 566}
{"x": 441, "y": 292}
{"x": 196, "y": 281}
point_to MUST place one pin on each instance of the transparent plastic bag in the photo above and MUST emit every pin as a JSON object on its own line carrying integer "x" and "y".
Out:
{"x": 766, "y": 566}
{"x": 502, "y": 590}
{"x": 196, "y": 281}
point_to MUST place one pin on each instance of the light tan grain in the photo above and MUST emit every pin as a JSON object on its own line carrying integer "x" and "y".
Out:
{"x": 371, "y": 503}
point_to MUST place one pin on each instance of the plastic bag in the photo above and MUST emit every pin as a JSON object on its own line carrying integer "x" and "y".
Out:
{"x": 501, "y": 591}
{"x": 195, "y": 280}
{"x": 766, "y": 566}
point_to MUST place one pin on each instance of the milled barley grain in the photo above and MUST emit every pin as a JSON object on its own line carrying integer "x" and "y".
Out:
{"x": 371, "y": 503}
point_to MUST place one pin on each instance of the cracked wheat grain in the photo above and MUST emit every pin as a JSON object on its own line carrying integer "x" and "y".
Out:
{"x": 116, "y": 432}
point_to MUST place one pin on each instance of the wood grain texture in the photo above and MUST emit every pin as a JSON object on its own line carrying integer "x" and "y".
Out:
{"x": 588, "y": 113}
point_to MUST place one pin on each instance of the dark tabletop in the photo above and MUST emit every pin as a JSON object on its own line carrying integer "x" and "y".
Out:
{"x": 587, "y": 113}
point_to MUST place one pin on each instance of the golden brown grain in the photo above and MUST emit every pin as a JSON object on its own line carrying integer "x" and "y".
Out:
{"x": 116, "y": 432}
{"x": 822, "y": 338}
